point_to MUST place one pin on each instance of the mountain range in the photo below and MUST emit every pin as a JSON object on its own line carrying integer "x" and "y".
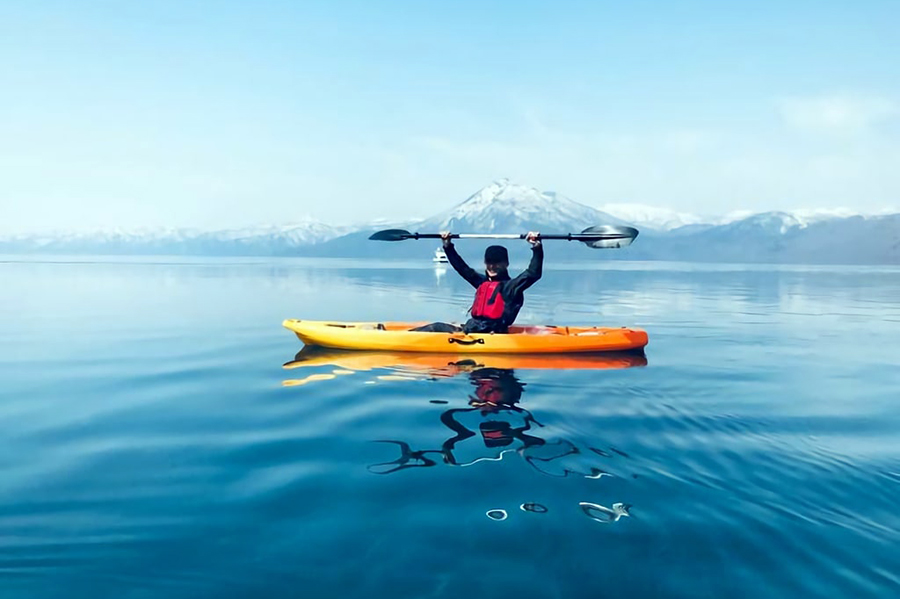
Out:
{"x": 814, "y": 237}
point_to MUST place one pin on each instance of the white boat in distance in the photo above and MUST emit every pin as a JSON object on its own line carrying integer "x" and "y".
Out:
{"x": 440, "y": 257}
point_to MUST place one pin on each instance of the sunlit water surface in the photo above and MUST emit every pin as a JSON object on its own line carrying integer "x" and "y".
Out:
{"x": 154, "y": 445}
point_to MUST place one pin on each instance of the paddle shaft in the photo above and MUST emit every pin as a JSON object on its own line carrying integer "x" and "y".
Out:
{"x": 566, "y": 237}
{"x": 595, "y": 237}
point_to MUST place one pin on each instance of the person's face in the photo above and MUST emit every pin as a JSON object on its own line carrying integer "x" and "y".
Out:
{"x": 495, "y": 268}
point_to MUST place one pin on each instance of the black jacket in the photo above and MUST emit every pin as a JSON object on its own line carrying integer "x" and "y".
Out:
{"x": 512, "y": 290}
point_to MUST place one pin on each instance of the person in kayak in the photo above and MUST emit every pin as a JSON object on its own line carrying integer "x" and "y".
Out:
{"x": 498, "y": 297}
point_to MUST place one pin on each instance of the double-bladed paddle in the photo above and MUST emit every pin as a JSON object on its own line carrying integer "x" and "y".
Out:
{"x": 600, "y": 236}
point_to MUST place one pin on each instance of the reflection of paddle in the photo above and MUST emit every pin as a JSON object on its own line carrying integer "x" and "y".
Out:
{"x": 601, "y": 236}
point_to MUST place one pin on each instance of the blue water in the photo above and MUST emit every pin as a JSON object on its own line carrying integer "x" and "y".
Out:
{"x": 154, "y": 446}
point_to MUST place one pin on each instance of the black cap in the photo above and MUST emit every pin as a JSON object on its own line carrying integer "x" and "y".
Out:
{"x": 495, "y": 254}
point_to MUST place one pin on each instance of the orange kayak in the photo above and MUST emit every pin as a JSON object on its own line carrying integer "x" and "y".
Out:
{"x": 526, "y": 339}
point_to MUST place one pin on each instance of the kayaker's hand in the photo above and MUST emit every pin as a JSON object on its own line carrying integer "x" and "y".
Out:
{"x": 534, "y": 238}
{"x": 445, "y": 237}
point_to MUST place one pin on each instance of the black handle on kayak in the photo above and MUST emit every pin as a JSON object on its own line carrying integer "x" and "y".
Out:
{"x": 463, "y": 341}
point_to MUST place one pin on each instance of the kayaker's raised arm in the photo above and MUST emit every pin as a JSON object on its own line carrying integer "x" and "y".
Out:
{"x": 532, "y": 274}
{"x": 460, "y": 266}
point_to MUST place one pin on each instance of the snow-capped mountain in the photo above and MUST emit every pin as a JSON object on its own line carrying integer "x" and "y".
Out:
{"x": 651, "y": 217}
{"x": 256, "y": 240}
{"x": 808, "y": 216}
{"x": 301, "y": 233}
{"x": 84, "y": 241}
{"x": 800, "y": 217}
{"x": 664, "y": 219}
{"x": 766, "y": 222}
{"x": 800, "y": 236}
{"x": 504, "y": 207}
{"x": 779, "y": 237}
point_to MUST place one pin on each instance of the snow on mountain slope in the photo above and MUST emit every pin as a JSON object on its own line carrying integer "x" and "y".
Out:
{"x": 805, "y": 216}
{"x": 504, "y": 207}
{"x": 651, "y": 217}
{"x": 663, "y": 219}
{"x": 808, "y": 216}
{"x": 765, "y": 222}
{"x": 300, "y": 233}
{"x": 259, "y": 239}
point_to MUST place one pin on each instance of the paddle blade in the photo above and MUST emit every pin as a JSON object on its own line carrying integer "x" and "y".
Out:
{"x": 391, "y": 235}
{"x": 608, "y": 236}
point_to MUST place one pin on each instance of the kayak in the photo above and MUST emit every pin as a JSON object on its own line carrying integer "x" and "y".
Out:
{"x": 449, "y": 365}
{"x": 525, "y": 339}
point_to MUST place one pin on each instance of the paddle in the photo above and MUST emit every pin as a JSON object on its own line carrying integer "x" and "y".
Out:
{"x": 601, "y": 236}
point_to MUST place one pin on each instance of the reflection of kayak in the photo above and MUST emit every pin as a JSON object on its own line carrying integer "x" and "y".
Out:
{"x": 453, "y": 364}
{"x": 396, "y": 336}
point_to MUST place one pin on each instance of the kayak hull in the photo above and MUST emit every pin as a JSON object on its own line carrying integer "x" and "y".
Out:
{"x": 396, "y": 337}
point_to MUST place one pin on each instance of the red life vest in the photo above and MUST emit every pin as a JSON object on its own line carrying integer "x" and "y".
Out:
{"x": 488, "y": 300}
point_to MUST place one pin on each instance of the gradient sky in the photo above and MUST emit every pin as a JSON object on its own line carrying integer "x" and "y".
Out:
{"x": 217, "y": 114}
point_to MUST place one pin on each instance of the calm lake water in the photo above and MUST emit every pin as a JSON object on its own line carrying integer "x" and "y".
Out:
{"x": 155, "y": 446}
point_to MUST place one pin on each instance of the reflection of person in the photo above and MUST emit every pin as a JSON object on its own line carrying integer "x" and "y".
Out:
{"x": 495, "y": 387}
{"x": 497, "y": 391}
{"x": 498, "y": 297}
{"x": 493, "y": 412}
{"x": 501, "y": 423}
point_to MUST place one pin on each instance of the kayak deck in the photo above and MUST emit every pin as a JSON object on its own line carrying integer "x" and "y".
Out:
{"x": 532, "y": 339}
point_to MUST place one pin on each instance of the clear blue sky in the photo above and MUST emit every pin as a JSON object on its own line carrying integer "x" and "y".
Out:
{"x": 217, "y": 114}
